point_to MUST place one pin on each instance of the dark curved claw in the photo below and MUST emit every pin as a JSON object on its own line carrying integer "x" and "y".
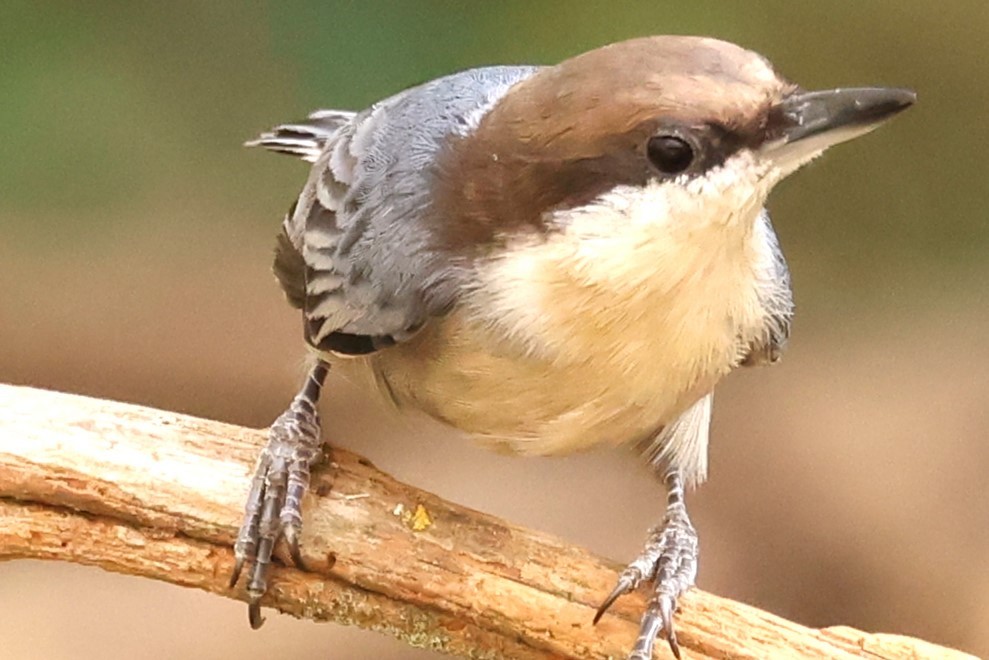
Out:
{"x": 671, "y": 636}
{"x": 658, "y": 617}
{"x": 254, "y": 614}
{"x": 662, "y": 610}
{"x": 291, "y": 534}
{"x": 235, "y": 573}
{"x": 625, "y": 584}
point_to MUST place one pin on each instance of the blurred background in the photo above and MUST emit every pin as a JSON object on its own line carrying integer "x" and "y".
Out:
{"x": 848, "y": 484}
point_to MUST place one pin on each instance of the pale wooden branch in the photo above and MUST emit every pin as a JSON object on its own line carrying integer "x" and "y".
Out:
{"x": 154, "y": 493}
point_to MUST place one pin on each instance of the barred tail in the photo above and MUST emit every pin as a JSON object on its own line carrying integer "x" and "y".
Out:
{"x": 304, "y": 139}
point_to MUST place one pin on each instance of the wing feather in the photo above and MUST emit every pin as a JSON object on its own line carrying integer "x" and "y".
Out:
{"x": 303, "y": 139}
{"x": 354, "y": 253}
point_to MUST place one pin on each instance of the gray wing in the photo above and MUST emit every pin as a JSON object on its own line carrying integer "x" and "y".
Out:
{"x": 355, "y": 254}
{"x": 775, "y": 295}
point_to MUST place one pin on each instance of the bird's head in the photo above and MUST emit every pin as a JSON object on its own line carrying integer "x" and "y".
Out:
{"x": 692, "y": 130}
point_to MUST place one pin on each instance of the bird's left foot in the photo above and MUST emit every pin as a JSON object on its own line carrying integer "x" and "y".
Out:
{"x": 669, "y": 562}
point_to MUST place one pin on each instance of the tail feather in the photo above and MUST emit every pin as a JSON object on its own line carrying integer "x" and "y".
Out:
{"x": 303, "y": 139}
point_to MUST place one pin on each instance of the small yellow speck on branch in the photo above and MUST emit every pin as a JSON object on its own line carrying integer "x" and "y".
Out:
{"x": 420, "y": 520}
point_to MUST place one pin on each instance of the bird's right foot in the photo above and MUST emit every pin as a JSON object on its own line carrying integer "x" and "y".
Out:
{"x": 274, "y": 502}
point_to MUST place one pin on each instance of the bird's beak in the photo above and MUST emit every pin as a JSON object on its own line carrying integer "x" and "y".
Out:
{"x": 806, "y": 123}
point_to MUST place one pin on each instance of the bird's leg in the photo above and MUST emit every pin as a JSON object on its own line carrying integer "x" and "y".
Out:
{"x": 669, "y": 561}
{"x": 274, "y": 502}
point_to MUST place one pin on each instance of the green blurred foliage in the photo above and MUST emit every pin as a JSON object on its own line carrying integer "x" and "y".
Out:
{"x": 120, "y": 116}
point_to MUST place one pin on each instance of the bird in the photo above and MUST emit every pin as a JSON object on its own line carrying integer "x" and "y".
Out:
{"x": 549, "y": 259}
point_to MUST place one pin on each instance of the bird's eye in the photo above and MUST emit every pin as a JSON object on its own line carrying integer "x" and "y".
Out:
{"x": 669, "y": 154}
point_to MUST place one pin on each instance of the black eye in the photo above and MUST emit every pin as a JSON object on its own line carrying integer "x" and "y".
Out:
{"x": 669, "y": 154}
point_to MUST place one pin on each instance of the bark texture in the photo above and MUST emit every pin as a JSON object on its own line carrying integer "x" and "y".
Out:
{"x": 158, "y": 494}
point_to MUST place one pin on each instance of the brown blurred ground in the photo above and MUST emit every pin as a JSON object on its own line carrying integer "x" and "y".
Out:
{"x": 847, "y": 484}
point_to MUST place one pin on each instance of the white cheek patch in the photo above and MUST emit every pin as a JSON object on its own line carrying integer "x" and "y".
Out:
{"x": 633, "y": 243}
{"x": 683, "y": 204}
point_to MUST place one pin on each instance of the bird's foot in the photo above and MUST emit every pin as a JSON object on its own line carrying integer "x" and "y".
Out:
{"x": 669, "y": 562}
{"x": 274, "y": 502}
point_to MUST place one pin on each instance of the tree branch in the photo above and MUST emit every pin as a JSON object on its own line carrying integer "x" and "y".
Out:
{"x": 153, "y": 493}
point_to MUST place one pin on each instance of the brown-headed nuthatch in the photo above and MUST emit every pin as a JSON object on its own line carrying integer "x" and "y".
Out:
{"x": 550, "y": 258}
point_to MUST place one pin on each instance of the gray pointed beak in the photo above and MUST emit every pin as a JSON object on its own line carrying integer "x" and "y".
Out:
{"x": 806, "y": 114}
{"x": 806, "y": 123}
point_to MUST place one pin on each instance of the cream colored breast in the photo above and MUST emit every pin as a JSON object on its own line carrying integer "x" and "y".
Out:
{"x": 600, "y": 332}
